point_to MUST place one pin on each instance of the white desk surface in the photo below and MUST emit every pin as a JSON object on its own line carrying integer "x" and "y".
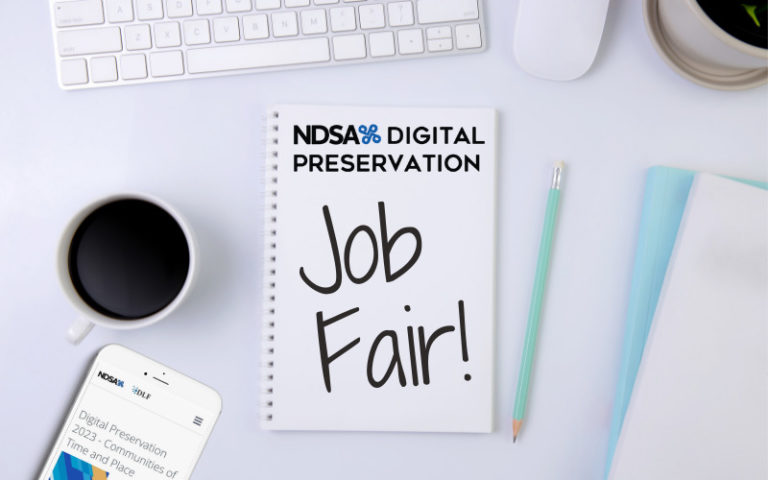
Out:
{"x": 198, "y": 145}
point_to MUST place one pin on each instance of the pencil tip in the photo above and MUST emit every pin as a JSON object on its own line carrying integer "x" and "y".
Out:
{"x": 516, "y": 424}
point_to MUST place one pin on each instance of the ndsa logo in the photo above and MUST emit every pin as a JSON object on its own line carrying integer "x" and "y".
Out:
{"x": 336, "y": 134}
{"x": 395, "y": 135}
{"x": 110, "y": 378}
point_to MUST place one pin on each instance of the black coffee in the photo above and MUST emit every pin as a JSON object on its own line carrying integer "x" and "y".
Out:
{"x": 128, "y": 259}
{"x": 744, "y": 19}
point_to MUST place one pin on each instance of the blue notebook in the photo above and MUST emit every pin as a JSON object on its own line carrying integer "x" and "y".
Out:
{"x": 666, "y": 193}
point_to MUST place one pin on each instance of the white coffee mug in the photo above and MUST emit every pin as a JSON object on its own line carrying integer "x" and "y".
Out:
{"x": 87, "y": 316}
{"x": 700, "y": 50}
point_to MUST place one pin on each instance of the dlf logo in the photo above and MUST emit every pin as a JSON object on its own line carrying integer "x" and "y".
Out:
{"x": 141, "y": 393}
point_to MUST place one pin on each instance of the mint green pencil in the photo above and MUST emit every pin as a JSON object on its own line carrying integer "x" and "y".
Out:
{"x": 539, "y": 283}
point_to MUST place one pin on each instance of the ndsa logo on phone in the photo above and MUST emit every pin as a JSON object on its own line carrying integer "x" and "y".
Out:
{"x": 336, "y": 134}
{"x": 109, "y": 378}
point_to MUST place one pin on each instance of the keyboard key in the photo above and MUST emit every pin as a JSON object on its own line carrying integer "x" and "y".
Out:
{"x": 343, "y": 19}
{"x": 258, "y": 55}
{"x": 178, "y": 8}
{"x": 284, "y": 24}
{"x": 81, "y": 12}
{"x": 382, "y": 44}
{"x": 226, "y": 29}
{"x": 167, "y": 34}
{"x": 166, "y": 64}
{"x": 103, "y": 69}
{"x": 438, "y": 11}
{"x": 74, "y": 72}
{"x": 208, "y": 7}
{"x": 149, "y": 9}
{"x": 410, "y": 41}
{"x": 138, "y": 37}
{"x": 313, "y": 21}
{"x": 400, "y": 14}
{"x": 296, "y": 3}
{"x": 326, "y": 2}
{"x": 439, "y": 32}
{"x": 371, "y": 16}
{"x": 255, "y": 27}
{"x": 196, "y": 32}
{"x": 234, "y": 6}
{"x": 439, "y": 44}
{"x": 267, "y": 4}
{"x": 468, "y": 36}
{"x": 119, "y": 11}
{"x": 133, "y": 67}
{"x": 349, "y": 47}
{"x": 87, "y": 41}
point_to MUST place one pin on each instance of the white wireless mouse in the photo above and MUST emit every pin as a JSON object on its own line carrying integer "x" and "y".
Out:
{"x": 558, "y": 39}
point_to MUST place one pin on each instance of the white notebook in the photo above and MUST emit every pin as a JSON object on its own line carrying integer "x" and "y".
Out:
{"x": 379, "y": 269}
{"x": 699, "y": 409}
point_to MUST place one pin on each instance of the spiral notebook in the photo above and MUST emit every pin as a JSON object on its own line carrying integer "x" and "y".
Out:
{"x": 379, "y": 269}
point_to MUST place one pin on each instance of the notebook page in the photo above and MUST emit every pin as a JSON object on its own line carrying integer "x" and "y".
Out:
{"x": 699, "y": 406}
{"x": 408, "y": 297}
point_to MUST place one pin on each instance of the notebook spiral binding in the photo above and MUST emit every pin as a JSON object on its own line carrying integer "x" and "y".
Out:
{"x": 270, "y": 249}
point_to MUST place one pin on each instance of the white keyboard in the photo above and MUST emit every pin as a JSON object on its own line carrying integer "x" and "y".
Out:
{"x": 120, "y": 42}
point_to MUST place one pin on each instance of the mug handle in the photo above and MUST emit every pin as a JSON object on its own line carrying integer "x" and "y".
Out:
{"x": 78, "y": 330}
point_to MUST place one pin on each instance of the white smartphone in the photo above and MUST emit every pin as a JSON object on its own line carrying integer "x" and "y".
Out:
{"x": 133, "y": 418}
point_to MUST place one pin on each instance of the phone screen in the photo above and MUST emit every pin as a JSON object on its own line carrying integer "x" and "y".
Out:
{"x": 130, "y": 426}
